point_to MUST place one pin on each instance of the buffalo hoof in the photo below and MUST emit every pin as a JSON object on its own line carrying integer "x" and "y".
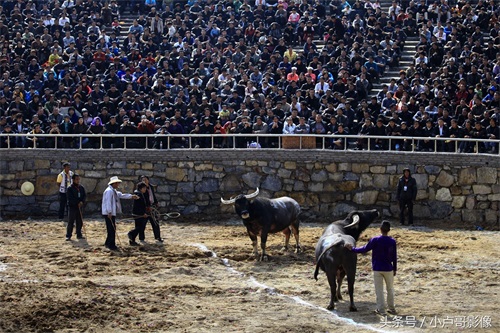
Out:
{"x": 330, "y": 306}
{"x": 298, "y": 249}
{"x": 264, "y": 257}
{"x": 353, "y": 308}
{"x": 284, "y": 248}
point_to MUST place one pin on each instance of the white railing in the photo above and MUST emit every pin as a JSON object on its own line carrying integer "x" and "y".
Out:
{"x": 245, "y": 140}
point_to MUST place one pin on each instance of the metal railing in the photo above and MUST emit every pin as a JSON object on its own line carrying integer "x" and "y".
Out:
{"x": 246, "y": 140}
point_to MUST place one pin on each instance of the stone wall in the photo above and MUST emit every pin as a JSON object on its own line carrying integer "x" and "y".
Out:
{"x": 326, "y": 183}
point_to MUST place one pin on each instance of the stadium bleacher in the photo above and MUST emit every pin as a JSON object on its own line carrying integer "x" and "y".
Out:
{"x": 412, "y": 68}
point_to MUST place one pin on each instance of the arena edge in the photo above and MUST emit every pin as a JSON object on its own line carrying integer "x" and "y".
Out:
{"x": 461, "y": 188}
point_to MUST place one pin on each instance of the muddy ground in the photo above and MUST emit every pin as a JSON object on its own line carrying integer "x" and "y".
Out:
{"x": 448, "y": 280}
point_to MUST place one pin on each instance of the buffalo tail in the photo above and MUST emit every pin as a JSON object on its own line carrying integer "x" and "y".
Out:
{"x": 341, "y": 242}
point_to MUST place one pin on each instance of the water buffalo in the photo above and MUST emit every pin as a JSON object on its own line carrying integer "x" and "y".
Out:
{"x": 337, "y": 261}
{"x": 262, "y": 216}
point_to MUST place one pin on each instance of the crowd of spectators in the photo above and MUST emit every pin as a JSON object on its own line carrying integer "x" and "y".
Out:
{"x": 262, "y": 66}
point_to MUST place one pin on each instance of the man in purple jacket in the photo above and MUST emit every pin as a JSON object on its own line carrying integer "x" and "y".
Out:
{"x": 384, "y": 265}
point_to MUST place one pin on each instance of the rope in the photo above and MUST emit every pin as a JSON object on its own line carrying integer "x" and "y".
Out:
{"x": 173, "y": 215}
{"x": 116, "y": 232}
{"x": 83, "y": 225}
{"x": 155, "y": 215}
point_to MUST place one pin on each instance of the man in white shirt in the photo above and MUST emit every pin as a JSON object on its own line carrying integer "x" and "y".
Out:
{"x": 321, "y": 87}
{"x": 110, "y": 207}
{"x": 64, "y": 181}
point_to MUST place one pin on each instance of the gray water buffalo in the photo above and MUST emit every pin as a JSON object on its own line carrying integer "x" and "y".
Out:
{"x": 336, "y": 260}
{"x": 262, "y": 216}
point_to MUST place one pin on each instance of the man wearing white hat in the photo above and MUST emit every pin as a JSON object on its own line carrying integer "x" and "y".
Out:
{"x": 110, "y": 207}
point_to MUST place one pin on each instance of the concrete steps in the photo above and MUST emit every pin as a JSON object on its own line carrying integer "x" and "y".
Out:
{"x": 125, "y": 23}
{"x": 407, "y": 58}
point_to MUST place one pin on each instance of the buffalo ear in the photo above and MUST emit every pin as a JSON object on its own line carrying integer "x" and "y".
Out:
{"x": 355, "y": 221}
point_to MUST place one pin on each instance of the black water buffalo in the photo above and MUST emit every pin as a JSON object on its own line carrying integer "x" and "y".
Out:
{"x": 262, "y": 216}
{"x": 336, "y": 260}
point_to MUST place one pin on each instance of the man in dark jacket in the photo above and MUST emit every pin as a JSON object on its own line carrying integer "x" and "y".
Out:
{"x": 406, "y": 194}
{"x": 140, "y": 213}
{"x": 112, "y": 127}
{"x": 76, "y": 198}
{"x": 151, "y": 201}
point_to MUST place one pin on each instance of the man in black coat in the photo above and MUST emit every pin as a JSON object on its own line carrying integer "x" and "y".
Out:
{"x": 150, "y": 202}
{"x": 406, "y": 194}
{"x": 76, "y": 198}
{"x": 140, "y": 212}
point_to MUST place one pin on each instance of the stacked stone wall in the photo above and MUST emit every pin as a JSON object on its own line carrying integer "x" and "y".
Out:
{"x": 461, "y": 188}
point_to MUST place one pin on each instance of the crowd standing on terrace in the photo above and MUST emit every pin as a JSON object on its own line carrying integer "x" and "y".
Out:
{"x": 259, "y": 66}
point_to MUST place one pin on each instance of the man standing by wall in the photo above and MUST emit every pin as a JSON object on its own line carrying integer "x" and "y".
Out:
{"x": 406, "y": 194}
{"x": 110, "y": 207}
{"x": 384, "y": 265}
{"x": 76, "y": 198}
{"x": 64, "y": 182}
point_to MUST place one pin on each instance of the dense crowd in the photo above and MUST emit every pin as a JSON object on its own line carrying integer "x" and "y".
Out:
{"x": 263, "y": 66}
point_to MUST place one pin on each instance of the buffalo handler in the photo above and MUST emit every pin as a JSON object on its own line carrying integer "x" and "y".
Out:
{"x": 76, "y": 199}
{"x": 384, "y": 265}
{"x": 406, "y": 194}
{"x": 110, "y": 207}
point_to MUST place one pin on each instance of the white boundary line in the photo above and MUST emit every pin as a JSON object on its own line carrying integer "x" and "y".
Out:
{"x": 3, "y": 267}
{"x": 271, "y": 291}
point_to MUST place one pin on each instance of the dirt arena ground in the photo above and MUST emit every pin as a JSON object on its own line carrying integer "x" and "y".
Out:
{"x": 204, "y": 279}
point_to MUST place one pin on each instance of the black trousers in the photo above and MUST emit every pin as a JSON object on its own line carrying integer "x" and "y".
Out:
{"x": 154, "y": 225}
{"x": 111, "y": 230}
{"x": 405, "y": 203}
{"x": 63, "y": 203}
{"x": 75, "y": 215}
{"x": 140, "y": 225}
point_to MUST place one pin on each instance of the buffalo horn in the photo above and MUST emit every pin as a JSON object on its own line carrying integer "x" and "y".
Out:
{"x": 355, "y": 221}
{"x": 228, "y": 202}
{"x": 253, "y": 195}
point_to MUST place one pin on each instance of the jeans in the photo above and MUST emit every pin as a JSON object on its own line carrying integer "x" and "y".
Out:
{"x": 84, "y": 142}
{"x": 488, "y": 145}
{"x": 20, "y": 141}
{"x": 63, "y": 203}
{"x": 75, "y": 215}
{"x": 379, "y": 277}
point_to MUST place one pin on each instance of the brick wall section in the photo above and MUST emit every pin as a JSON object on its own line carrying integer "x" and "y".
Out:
{"x": 452, "y": 186}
